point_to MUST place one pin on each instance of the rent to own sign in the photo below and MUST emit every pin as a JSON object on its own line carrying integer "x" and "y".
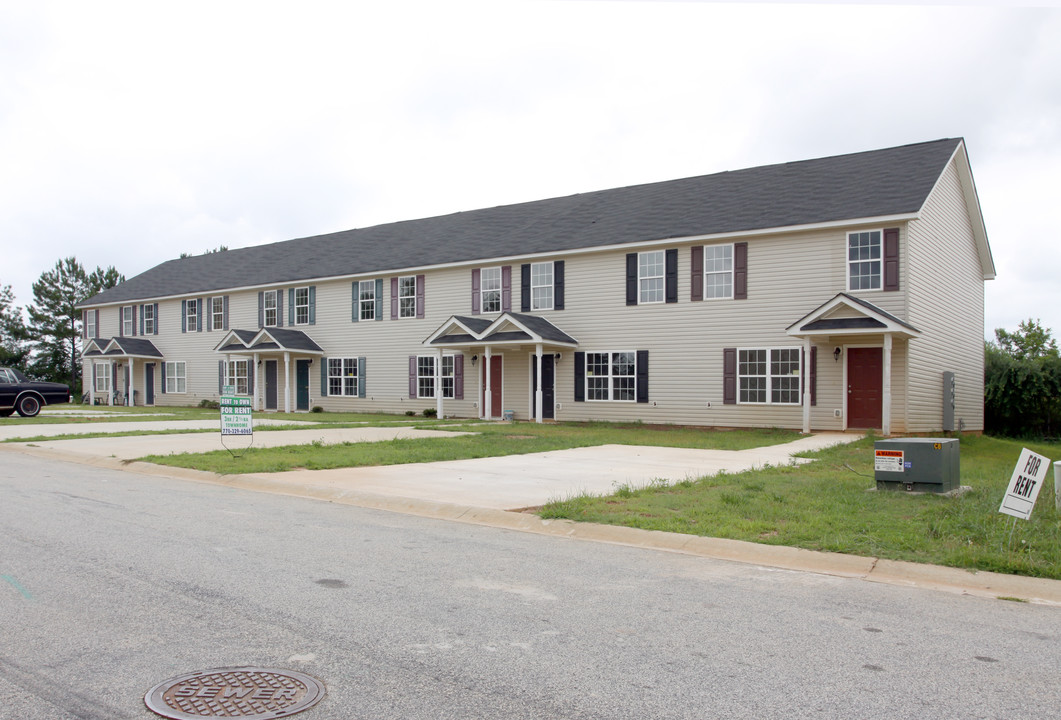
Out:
{"x": 1025, "y": 484}
{"x": 236, "y": 416}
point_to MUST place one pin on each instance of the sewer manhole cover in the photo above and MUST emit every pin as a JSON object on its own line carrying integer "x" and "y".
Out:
{"x": 240, "y": 692}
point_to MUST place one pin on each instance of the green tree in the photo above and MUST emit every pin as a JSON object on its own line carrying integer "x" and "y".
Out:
{"x": 13, "y": 336}
{"x": 1022, "y": 382}
{"x": 55, "y": 320}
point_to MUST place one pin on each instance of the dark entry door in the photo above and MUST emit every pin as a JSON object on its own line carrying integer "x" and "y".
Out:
{"x": 302, "y": 384}
{"x": 270, "y": 384}
{"x": 865, "y": 385}
{"x": 548, "y": 389}
{"x": 496, "y": 396}
{"x": 149, "y": 384}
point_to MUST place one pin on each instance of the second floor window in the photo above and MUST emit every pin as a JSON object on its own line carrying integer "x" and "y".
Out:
{"x": 147, "y": 314}
{"x": 490, "y": 290}
{"x": 269, "y": 304}
{"x": 192, "y": 315}
{"x": 217, "y": 313}
{"x": 302, "y": 306}
{"x": 366, "y": 291}
{"x": 90, "y": 323}
{"x": 542, "y": 286}
{"x": 127, "y": 321}
{"x": 650, "y": 277}
{"x": 718, "y": 271}
{"x": 407, "y": 296}
{"x": 864, "y": 260}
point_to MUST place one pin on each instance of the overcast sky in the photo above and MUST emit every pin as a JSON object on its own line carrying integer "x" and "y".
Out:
{"x": 133, "y": 131}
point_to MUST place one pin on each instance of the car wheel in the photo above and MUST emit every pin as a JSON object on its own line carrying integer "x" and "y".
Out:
{"x": 7, "y": 413}
{"x": 29, "y": 406}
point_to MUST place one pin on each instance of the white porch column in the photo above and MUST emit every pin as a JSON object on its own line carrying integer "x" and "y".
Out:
{"x": 287, "y": 382}
{"x": 438, "y": 384}
{"x": 257, "y": 380}
{"x": 487, "y": 400}
{"x": 806, "y": 385}
{"x": 130, "y": 397}
{"x": 538, "y": 385}
{"x": 886, "y": 399}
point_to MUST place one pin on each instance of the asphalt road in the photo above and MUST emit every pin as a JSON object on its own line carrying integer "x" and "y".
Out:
{"x": 111, "y": 582}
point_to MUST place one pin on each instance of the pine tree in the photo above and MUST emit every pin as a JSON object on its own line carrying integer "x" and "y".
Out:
{"x": 13, "y": 348}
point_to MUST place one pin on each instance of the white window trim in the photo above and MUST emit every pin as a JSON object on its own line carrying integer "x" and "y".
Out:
{"x": 344, "y": 365}
{"x": 770, "y": 377}
{"x": 662, "y": 277}
{"x": 232, "y": 377}
{"x": 730, "y": 272}
{"x": 499, "y": 290}
{"x": 191, "y": 321}
{"x": 300, "y": 306}
{"x": 412, "y": 305}
{"x": 275, "y": 309}
{"x": 105, "y": 376}
{"x": 848, "y": 261}
{"x": 173, "y": 376}
{"x": 451, "y": 394}
{"x": 217, "y": 317}
{"x": 611, "y": 377}
{"x": 90, "y": 324}
{"x": 362, "y": 302}
{"x": 551, "y": 285}
{"x": 147, "y": 312}
{"x": 128, "y": 321}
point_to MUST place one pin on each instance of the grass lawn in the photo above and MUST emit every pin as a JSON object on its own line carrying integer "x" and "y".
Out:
{"x": 826, "y": 506}
{"x": 488, "y": 440}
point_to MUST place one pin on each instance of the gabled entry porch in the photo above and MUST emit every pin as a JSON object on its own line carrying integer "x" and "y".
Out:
{"x": 113, "y": 365}
{"x": 865, "y": 339}
{"x": 269, "y": 362}
{"x": 490, "y": 342}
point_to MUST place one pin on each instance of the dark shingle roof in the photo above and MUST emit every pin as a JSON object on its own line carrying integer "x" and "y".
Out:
{"x": 877, "y": 183}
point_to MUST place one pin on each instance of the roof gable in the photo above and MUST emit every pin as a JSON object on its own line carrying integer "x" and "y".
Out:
{"x": 876, "y": 184}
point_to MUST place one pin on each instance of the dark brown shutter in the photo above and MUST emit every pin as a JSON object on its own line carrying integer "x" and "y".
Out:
{"x": 642, "y": 375}
{"x": 506, "y": 288}
{"x": 631, "y": 279}
{"x": 891, "y": 259}
{"x": 458, "y": 377}
{"x": 670, "y": 282}
{"x": 729, "y": 376}
{"x": 697, "y": 278}
{"x": 740, "y": 271}
{"x": 813, "y": 375}
{"x": 261, "y": 310}
{"x": 475, "y": 291}
{"x": 394, "y": 298}
{"x": 525, "y": 287}
{"x": 580, "y": 377}
{"x": 412, "y": 377}
{"x": 421, "y": 295}
{"x": 558, "y": 285}
{"x": 121, "y": 321}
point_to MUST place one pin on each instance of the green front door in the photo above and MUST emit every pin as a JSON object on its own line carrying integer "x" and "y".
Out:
{"x": 302, "y": 384}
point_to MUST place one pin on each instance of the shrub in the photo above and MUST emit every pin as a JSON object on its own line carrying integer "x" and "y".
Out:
{"x": 209, "y": 404}
{"x": 317, "y": 409}
{"x": 431, "y": 412}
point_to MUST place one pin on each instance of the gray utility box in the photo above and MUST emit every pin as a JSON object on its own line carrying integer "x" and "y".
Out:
{"x": 917, "y": 464}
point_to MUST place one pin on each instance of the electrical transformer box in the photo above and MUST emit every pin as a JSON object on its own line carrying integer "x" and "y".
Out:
{"x": 917, "y": 464}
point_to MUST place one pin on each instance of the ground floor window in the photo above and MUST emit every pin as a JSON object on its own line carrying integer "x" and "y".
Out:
{"x": 425, "y": 376}
{"x": 611, "y": 376}
{"x": 769, "y": 375}
{"x": 101, "y": 374}
{"x": 237, "y": 376}
{"x": 176, "y": 380}
{"x": 342, "y": 377}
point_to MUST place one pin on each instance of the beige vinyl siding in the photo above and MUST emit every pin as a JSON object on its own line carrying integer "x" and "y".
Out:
{"x": 945, "y": 274}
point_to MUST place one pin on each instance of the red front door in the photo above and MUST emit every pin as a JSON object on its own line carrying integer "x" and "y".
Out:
{"x": 865, "y": 384}
{"x": 495, "y": 388}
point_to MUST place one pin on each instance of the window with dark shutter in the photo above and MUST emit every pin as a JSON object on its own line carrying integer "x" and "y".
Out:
{"x": 476, "y": 285}
{"x": 696, "y": 279}
{"x": 525, "y": 287}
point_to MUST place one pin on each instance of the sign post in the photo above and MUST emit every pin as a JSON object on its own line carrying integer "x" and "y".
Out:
{"x": 1025, "y": 484}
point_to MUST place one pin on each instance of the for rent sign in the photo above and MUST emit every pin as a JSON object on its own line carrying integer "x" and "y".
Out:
{"x": 1024, "y": 486}
{"x": 236, "y": 416}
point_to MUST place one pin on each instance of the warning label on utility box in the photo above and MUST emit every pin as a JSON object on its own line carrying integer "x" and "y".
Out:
{"x": 888, "y": 461}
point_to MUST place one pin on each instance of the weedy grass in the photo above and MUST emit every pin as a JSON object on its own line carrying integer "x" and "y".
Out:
{"x": 831, "y": 505}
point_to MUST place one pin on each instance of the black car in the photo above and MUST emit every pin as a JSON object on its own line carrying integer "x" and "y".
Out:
{"x": 18, "y": 392}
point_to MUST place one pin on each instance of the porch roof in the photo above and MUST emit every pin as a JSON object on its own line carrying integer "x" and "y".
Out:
{"x": 508, "y": 328}
{"x": 268, "y": 339}
{"x": 127, "y": 347}
{"x": 860, "y": 318}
